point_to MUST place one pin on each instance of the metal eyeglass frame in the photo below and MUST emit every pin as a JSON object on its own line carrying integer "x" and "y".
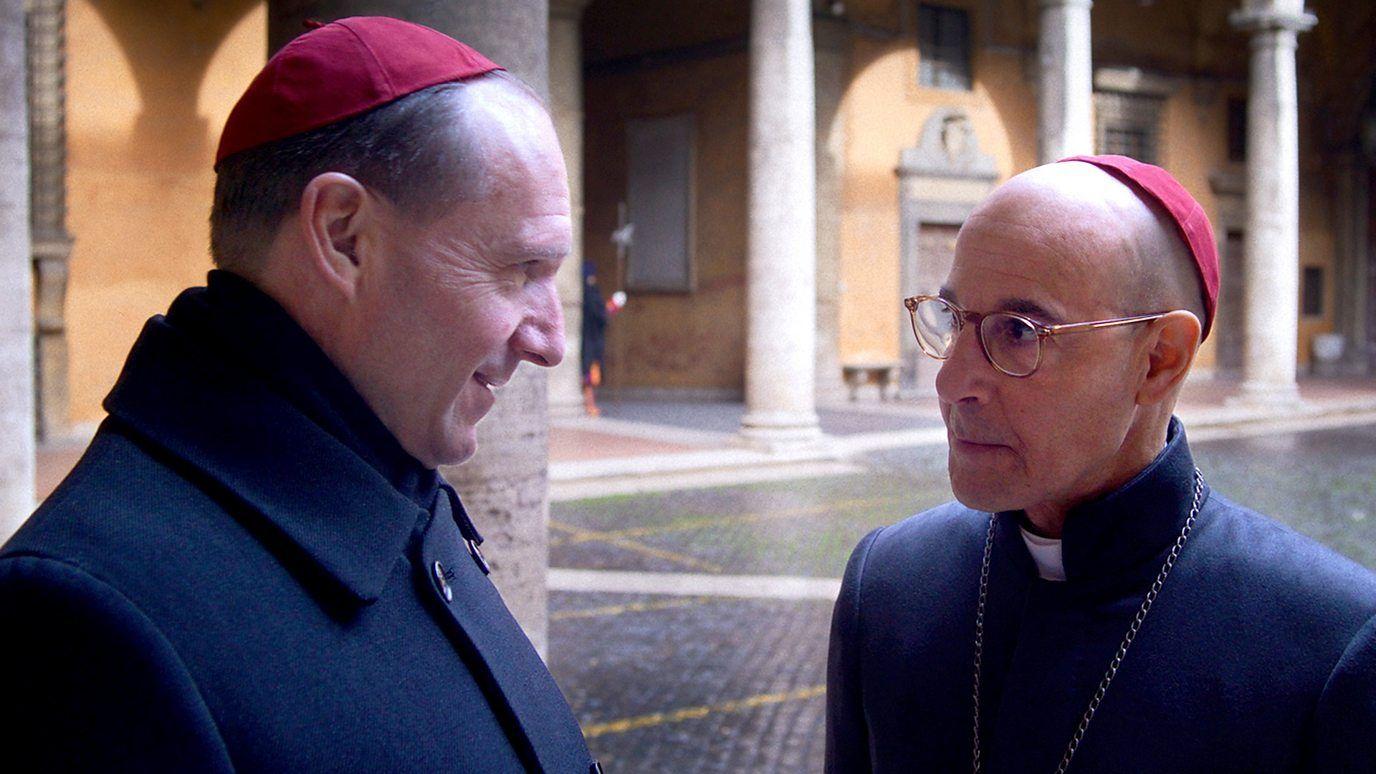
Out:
{"x": 1044, "y": 332}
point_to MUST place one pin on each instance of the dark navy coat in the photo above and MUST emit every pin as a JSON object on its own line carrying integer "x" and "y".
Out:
{"x": 1259, "y": 655}
{"x": 229, "y": 579}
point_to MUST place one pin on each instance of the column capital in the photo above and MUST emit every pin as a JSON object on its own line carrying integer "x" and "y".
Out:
{"x": 1256, "y": 20}
{"x": 567, "y": 9}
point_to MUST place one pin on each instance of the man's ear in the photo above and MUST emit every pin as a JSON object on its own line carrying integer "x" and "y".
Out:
{"x": 1172, "y": 342}
{"x": 335, "y": 211}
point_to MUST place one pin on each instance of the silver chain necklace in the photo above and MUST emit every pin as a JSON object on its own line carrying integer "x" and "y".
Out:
{"x": 1122, "y": 648}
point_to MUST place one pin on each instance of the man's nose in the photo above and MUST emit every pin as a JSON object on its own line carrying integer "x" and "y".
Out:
{"x": 965, "y": 374}
{"x": 540, "y": 338}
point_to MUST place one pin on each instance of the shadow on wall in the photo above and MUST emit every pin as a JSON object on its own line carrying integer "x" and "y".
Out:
{"x": 148, "y": 86}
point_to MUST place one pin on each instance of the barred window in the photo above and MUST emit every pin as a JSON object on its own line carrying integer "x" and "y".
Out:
{"x": 1128, "y": 124}
{"x": 1128, "y": 141}
{"x": 943, "y": 47}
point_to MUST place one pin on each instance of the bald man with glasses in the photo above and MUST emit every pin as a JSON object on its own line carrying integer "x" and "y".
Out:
{"x": 1090, "y": 603}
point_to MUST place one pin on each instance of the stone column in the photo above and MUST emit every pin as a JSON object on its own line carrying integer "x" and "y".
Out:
{"x": 504, "y": 485}
{"x": 1065, "y": 80}
{"x": 52, "y": 245}
{"x": 566, "y": 103}
{"x": 16, "y": 280}
{"x": 1272, "y": 238}
{"x": 830, "y": 43}
{"x": 781, "y": 266}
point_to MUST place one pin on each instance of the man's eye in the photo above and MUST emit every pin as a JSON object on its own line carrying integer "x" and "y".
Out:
{"x": 1015, "y": 331}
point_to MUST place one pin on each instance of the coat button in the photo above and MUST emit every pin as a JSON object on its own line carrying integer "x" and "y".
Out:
{"x": 438, "y": 570}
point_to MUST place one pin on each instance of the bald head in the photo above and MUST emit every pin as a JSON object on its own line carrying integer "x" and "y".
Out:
{"x": 1068, "y": 243}
{"x": 1126, "y": 246}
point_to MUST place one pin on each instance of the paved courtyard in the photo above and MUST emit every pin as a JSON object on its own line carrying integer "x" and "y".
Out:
{"x": 689, "y": 628}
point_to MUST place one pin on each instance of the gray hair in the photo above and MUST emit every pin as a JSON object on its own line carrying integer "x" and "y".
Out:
{"x": 417, "y": 152}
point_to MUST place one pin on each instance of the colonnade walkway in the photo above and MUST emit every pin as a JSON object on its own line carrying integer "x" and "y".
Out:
{"x": 648, "y": 445}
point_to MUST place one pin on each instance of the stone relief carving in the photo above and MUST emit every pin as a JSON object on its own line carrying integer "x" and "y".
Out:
{"x": 948, "y": 147}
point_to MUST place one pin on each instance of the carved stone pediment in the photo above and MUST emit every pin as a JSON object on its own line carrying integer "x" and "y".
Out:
{"x": 948, "y": 147}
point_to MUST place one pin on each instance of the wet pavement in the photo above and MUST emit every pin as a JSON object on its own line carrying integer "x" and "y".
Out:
{"x": 692, "y": 683}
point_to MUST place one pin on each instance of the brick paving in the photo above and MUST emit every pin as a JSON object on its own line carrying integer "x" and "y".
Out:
{"x": 746, "y": 693}
{"x": 694, "y": 684}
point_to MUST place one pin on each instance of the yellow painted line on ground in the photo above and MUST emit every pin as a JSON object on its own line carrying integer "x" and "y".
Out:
{"x": 639, "y": 548}
{"x": 635, "y": 607}
{"x": 700, "y": 522}
{"x": 693, "y": 713}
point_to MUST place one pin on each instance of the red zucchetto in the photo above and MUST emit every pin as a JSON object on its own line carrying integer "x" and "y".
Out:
{"x": 343, "y": 69}
{"x": 1191, "y": 222}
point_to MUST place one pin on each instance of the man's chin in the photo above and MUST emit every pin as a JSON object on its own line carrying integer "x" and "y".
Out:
{"x": 988, "y": 493}
{"x": 459, "y": 458}
{"x": 455, "y": 448}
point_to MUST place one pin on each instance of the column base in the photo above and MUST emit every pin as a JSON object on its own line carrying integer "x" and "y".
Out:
{"x": 567, "y": 409}
{"x": 565, "y": 393}
{"x": 1283, "y": 396}
{"x": 781, "y": 431}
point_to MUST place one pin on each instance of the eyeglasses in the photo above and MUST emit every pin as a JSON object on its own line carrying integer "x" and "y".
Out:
{"x": 1011, "y": 342}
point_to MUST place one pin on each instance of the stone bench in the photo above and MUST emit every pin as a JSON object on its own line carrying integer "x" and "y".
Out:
{"x": 857, "y": 375}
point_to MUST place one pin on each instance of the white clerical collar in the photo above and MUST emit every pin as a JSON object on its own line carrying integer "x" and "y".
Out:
{"x": 1046, "y": 552}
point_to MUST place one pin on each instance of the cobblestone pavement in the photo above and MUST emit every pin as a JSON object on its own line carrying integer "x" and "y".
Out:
{"x": 673, "y": 683}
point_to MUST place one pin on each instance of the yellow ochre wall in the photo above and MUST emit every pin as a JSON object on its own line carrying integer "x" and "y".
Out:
{"x": 683, "y": 341}
{"x": 1194, "y": 144}
{"x": 149, "y": 84}
{"x": 884, "y": 110}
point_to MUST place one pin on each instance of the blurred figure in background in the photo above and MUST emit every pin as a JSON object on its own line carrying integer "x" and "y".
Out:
{"x": 596, "y": 313}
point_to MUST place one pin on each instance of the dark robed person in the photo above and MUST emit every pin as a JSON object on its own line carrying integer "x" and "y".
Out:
{"x": 255, "y": 566}
{"x": 1090, "y": 603}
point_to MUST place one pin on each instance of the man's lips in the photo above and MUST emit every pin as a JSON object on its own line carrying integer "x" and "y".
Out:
{"x": 968, "y": 442}
{"x": 977, "y": 451}
{"x": 958, "y": 434}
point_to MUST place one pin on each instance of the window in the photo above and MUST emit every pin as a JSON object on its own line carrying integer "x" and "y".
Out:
{"x": 1128, "y": 141}
{"x": 1237, "y": 129}
{"x": 1128, "y": 124}
{"x": 943, "y": 47}
{"x": 1311, "y": 292}
{"x": 659, "y": 195}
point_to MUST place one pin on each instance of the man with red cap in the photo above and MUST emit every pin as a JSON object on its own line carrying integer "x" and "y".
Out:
{"x": 1090, "y": 603}
{"x": 256, "y": 566}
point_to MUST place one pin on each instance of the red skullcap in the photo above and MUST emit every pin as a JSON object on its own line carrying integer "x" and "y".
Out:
{"x": 343, "y": 69}
{"x": 1154, "y": 182}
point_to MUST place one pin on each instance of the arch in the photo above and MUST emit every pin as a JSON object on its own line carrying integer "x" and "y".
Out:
{"x": 169, "y": 47}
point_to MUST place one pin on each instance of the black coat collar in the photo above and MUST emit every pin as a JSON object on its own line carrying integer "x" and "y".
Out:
{"x": 1122, "y": 535}
{"x": 183, "y": 392}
